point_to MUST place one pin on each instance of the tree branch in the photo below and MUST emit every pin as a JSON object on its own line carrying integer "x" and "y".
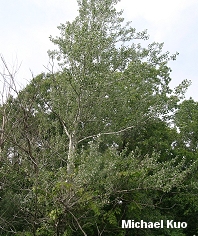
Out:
{"x": 12, "y": 82}
{"x": 77, "y": 223}
{"x": 106, "y": 133}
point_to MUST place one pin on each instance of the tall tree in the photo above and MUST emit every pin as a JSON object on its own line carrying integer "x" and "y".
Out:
{"x": 107, "y": 83}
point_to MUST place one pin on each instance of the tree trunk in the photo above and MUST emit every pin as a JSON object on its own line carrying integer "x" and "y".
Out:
{"x": 71, "y": 154}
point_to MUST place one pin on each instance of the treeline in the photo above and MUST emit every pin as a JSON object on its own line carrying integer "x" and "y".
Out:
{"x": 100, "y": 140}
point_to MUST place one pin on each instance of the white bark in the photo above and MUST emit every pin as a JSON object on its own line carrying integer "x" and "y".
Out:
{"x": 71, "y": 154}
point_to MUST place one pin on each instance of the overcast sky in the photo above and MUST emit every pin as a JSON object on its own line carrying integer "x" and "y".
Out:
{"x": 27, "y": 24}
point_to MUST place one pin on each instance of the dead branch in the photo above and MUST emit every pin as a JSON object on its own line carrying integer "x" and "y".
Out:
{"x": 106, "y": 133}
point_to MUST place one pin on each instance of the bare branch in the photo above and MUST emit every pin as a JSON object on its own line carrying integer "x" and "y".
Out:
{"x": 107, "y": 133}
{"x": 78, "y": 223}
{"x": 12, "y": 84}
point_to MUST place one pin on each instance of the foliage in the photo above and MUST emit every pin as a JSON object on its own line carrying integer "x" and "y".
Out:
{"x": 102, "y": 139}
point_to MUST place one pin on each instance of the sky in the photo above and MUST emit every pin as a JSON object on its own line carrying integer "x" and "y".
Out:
{"x": 27, "y": 24}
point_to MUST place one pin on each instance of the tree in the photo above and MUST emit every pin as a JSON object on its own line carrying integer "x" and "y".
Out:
{"x": 107, "y": 83}
{"x": 186, "y": 121}
{"x": 185, "y": 146}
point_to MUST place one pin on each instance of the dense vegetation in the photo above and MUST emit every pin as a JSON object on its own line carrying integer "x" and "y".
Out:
{"x": 102, "y": 139}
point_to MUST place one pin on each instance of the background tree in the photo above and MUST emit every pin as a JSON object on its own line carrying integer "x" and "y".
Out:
{"x": 186, "y": 121}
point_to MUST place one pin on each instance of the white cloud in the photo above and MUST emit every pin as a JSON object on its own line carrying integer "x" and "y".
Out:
{"x": 57, "y": 6}
{"x": 160, "y": 15}
{"x": 155, "y": 11}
